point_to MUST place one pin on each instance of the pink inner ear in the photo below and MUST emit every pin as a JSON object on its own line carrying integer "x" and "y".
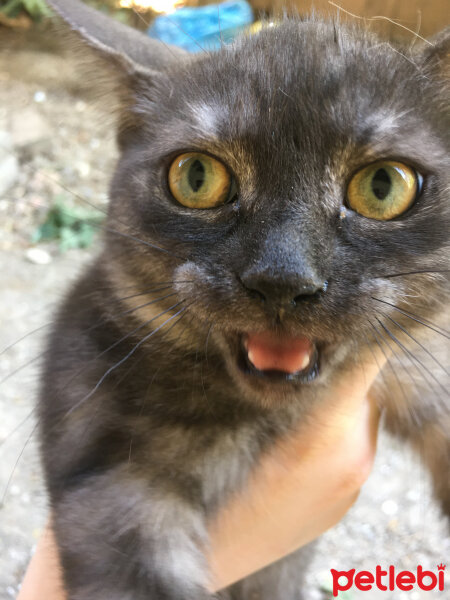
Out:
{"x": 268, "y": 352}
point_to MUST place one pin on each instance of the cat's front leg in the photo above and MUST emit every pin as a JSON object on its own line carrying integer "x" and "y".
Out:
{"x": 120, "y": 538}
{"x": 282, "y": 580}
{"x": 433, "y": 445}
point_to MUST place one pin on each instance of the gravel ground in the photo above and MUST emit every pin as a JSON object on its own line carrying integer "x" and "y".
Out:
{"x": 57, "y": 137}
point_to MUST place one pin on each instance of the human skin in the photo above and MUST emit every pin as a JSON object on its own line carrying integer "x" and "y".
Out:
{"x": 299, "y": 489}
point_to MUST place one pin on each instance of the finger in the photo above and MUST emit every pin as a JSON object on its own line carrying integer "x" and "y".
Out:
{"x": 43, "y": 577}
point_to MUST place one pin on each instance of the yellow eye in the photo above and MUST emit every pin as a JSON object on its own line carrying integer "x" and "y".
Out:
{"x": 199, "y": 181}
{"x": 383, "y": 190}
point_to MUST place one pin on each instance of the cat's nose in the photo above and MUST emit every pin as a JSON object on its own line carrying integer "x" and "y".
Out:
{"x": 282, "y": 290}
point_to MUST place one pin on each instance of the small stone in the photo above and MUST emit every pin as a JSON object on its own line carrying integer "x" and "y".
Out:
{"x": 393, "y": 525}
{"x": 9, "y": 171}
{"x": 14, "y": 490}
{"x": 80, "y": 106}
{"x": 83, "y": 169}
{"x": 40, "y": 96}
{"x": 9, "y": 165}
{"x": 38, "y": 256}
{"x": 28, "y": 127}
{"x": 413, "y": 495}
{"x": 389, "y": 507}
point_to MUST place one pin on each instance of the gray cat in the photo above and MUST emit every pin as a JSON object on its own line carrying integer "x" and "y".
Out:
{"x": 278, "y": 206}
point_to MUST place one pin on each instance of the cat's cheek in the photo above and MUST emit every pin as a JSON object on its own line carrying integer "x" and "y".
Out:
{"x": 390, "y": 290}
{"x": 186, "y": 277}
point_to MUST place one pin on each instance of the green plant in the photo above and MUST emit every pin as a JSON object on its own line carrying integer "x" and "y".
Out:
{"x": 35, "y": 8}
{"x": 74, "y": 227}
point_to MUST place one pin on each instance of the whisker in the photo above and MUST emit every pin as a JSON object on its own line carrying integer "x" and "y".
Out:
{"x": 80, "y": 371}
{"x": 417, "y": 342}
{"x": 389, "y": 276}
{"x": 42, "y": 354}
{"x": 123, "y": 377}
{"x": 114, "y": 300}
{"x": 381, "y": 18}
{"x": 10, "y": 478}
{"x": 159, "y": 368}
{"x": 146, "y": 395}
{"x": 378, "y": 340}
{"x": 380, "y": 369}
{"x": 125, "y": 358}
{"x": 24, "y": 337}
{"x": 220, "y": 28}
{"x": 178, "y": 26}
{"x": 404, "y": 367}
{"x": 17, "y": 427}
{"x": 91, "y": 328}
{"x": 23, "y": 366}
{"x": 207, "y": 340}
{"x": 167, "y": 46}
{"x": 423, "y": 322}
{"x": 132, "y": 287}
{"x": 136, "y": 239}
{"x": 413, "y": 357}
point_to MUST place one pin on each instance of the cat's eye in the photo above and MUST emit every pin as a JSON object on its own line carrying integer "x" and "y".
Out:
{"x": 383, "y": 190}
{"x": 198, "y": 180}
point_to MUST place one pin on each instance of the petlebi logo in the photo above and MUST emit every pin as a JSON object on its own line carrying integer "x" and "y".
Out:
{"x": 388, "y": 579}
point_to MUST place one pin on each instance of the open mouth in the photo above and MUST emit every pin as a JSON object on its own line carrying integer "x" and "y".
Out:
{"x": 278, "y": 358}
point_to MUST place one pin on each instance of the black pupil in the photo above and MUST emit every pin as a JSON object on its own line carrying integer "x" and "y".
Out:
{"x": 381, "y": 184}
{"x": 196, "y": 175}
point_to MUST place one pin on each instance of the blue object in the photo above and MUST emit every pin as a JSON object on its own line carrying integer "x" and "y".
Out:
{"x": 203, "y": 27}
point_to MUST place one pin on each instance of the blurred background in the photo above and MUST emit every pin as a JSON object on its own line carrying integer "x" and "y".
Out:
{"x": 57, "y": 152}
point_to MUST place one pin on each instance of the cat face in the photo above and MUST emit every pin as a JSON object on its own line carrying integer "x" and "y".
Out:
{"x": 286, "y": 276}
{"x": 284, "y": 262}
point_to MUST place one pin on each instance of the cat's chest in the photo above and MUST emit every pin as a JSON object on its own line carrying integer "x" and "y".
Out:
{"x": 212, "y": 461}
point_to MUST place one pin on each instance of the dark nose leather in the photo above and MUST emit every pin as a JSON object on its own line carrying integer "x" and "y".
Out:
{"x": 283, "y": 289}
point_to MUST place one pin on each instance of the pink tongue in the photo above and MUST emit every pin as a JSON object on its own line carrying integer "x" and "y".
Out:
{"x": 269, "y": 352}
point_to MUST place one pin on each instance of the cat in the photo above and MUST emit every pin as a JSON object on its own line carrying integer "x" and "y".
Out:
{"x": 278, "y": 206}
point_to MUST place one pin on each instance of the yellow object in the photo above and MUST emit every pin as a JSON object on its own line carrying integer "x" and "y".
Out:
{"x": 383, "y": 190}
{"x": 198, "y": 180}
{"x": 258, "y": 25}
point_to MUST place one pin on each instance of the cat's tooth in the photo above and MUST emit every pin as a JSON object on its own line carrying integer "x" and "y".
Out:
{"x": 306, "y": 361}
{"x": 250, "y": 356}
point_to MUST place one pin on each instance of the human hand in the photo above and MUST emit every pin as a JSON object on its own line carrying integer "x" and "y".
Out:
{"x": 301, "y": 488}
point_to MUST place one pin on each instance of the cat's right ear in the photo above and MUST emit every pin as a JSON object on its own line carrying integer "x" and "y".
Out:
{"x": 125, "y": 48}
{"x": 436, "y": 56}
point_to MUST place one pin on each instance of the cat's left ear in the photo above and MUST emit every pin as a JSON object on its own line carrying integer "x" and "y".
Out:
{"x": 127, "y": 50}
{"x": 122, "y": 65}
{"x": 436, "y": 56}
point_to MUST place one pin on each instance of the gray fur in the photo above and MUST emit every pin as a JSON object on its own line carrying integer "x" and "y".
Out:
{"x": 138, "y": 463}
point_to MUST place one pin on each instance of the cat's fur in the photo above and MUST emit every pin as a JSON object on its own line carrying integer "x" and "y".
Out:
{"x": 145, "y": 436}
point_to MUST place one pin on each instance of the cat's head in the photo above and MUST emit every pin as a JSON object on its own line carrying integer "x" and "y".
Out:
{"x": 294, "y": 183}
